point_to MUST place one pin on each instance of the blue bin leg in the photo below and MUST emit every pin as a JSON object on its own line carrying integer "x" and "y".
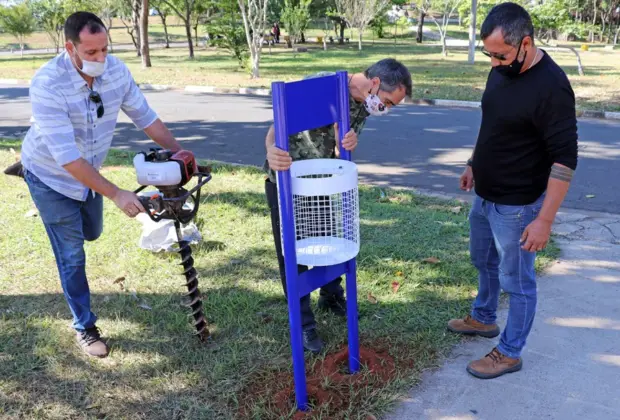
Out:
{"x": 287, "y": 222}
{"x": 352, "y": 322}
{"x": 299, "y": 368}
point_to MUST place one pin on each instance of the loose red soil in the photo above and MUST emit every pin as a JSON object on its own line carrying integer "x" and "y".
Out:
{"x": 329, "y": 385}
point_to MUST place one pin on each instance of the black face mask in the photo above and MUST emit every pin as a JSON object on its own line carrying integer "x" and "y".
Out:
{"x": 513, "y": 69}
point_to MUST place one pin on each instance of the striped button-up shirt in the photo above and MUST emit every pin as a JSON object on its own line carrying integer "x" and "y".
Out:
{"x": 64, "y": 123}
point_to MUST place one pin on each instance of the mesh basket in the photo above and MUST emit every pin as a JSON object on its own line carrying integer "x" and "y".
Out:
{"x": 326, "y": 210}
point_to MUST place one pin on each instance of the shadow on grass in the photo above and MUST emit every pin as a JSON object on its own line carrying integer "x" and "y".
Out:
{"x": 154, "y": 352}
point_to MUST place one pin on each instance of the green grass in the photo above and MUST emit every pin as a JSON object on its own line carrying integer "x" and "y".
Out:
{"x": 434, "y": 76}
{"x": 157, "y": 369}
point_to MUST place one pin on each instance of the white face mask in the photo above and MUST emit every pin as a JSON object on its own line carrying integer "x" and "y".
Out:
{"x": 91, "y": 68}
{"x": 374, "y": 106}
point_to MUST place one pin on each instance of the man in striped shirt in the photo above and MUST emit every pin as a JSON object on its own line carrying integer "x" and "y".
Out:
{"x": 76, "y": 98}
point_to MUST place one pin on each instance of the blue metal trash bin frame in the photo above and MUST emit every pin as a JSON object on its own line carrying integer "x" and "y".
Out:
{"x": 300, "y": 106}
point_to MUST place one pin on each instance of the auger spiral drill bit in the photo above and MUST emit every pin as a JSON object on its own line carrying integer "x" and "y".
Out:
{"x": 169, "y": 172}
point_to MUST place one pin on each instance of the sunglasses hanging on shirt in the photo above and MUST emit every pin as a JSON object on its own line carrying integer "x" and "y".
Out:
{"x": 96, "y": 98}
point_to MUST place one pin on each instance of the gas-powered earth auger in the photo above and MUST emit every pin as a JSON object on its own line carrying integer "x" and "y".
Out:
{"x": 169, "y": 172}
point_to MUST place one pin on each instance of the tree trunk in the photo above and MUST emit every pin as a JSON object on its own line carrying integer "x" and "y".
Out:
{"x": 163, "y": 22}
{"x": 133, "y": 38}
{"x": 341, "y": 39}
{"x": 444, "y": 47}
{"x": 110, "y": 41}
{"x": 135, "y": 20}
{"x": 359, "y": 45}
{"x": 57, "y": 43}
{"x": 472, "y": 32}
{"x": 616, "y": 37}
{"x": 109, "y": 22}
{"x": 395, "y": 31}
{"x": 196, "y": 35}
{"x": 21, "y": 47}
{"x": 255, "y": 61}
{"x": 593, "y": 21}
{"x": 188, "y": 32}
{"x": 144, "y": 35}
{"x": 579, "y": 66}
{"x": 420, "y": 35}
{"x": 303, "y": 38}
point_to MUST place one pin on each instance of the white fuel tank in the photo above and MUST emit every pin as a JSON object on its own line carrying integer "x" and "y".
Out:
{"x": 157, "y": 173}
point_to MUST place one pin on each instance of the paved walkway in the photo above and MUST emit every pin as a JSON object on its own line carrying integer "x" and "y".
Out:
{"x": 572, "y": 361}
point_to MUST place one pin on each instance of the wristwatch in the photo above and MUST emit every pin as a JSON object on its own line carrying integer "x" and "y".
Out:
{"x": 469, "y": 162}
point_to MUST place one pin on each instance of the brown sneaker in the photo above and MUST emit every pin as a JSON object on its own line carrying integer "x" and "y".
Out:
{"x": 493, "y": 365}
{"x": 471, "y": 326}
{"x": 90, "y": 341}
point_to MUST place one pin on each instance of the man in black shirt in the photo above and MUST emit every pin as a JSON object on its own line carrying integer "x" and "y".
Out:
{"x": 521, "y": 169}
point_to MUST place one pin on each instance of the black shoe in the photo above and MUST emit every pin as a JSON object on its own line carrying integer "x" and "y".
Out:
{"x": 335, "y": 303}
{"x": 15, "y": 169}
{"x": 312, "y": 341}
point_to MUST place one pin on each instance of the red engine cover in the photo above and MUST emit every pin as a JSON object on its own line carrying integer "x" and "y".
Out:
{"x": 187, "y": 163}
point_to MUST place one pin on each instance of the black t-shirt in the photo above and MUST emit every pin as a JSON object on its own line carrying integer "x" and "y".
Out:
{"x": 528, "y": 124}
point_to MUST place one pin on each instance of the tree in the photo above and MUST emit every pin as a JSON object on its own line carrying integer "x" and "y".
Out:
{"x": 359, "y": 13}
{"x": 144, "y": 35}
{"x": 163, "y": 11}
{"x": 227, "y": 31}
{"x": 204, "y": 12}
{"x": 129, "y": 13}
{"x": 51, "y": 16}
{"x": 254, "y": 15}
{"x": 296, "y": 19}
{"x": 185, "y": 9}
{"x": 378, "y": 25}
{"x": 420, "y": 31}
{"x": 340, "y": 23}
{"x": 551, "y": 17}
{"x": 19, "y": 21}
{"x": 445, "y": 8}
{"x": 108, "y": 11}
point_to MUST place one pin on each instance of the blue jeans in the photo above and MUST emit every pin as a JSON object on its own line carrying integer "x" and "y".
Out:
{"x": 495, "y": 248}
{"x": 68, "y": 224}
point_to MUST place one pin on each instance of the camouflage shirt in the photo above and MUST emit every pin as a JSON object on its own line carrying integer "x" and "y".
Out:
{"x": 321, "y": 142}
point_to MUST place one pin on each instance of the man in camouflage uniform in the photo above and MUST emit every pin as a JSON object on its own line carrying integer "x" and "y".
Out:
{"x": 373, "y": 92}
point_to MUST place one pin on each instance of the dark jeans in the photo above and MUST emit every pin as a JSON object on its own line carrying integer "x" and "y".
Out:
{"x": 68, "y": 224}
{"x": 330, "y": 289}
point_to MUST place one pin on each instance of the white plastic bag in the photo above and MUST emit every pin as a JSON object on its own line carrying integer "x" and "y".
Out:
{"x": 161, "y": 236}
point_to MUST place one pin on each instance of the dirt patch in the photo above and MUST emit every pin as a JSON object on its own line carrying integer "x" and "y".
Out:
{"x": 376, "y": 362}
{"x": 319, "y": 396}
{"x": 330, "y": 387}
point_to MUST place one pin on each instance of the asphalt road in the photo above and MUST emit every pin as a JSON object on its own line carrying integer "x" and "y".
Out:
{"x": 413, "y": 146}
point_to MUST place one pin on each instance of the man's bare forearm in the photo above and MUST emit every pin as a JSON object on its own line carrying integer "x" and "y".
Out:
{"x": 557, "y": 187}
{"x": 85, "y": 173}
{"x": 160, "y": 134}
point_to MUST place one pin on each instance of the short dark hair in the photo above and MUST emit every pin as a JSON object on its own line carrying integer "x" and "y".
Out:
{"x": 514, "y": 21}
{"x": 78, "y": 21}
{"x": 393, "y": 75}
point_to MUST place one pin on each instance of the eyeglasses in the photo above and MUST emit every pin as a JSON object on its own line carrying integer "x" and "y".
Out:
{"x": 500, "y": 57}
{"x": 94, "y": 96}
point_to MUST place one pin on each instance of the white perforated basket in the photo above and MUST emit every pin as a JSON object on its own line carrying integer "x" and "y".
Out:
{"x": 326, "y": 209}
